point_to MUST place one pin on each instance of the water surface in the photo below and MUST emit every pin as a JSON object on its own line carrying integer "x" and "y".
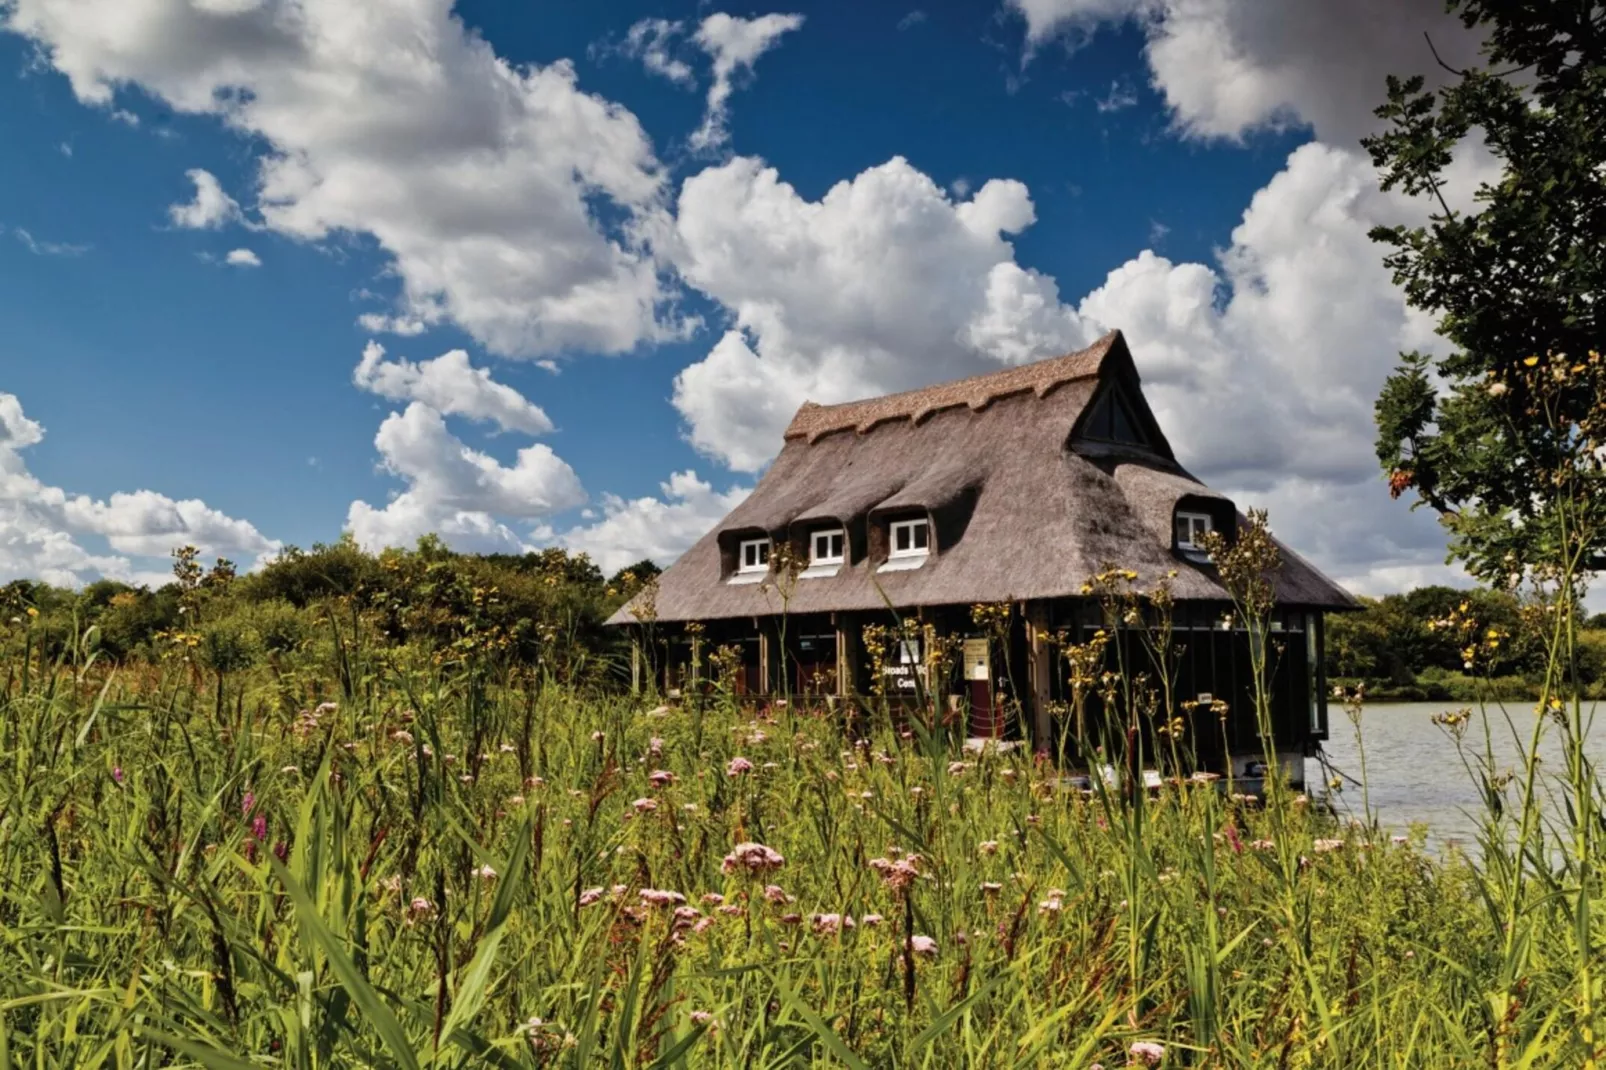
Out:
{"x": 1413, "y": 772}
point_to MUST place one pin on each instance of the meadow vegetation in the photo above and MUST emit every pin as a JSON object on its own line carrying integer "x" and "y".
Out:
{"x": 387, "y": 824}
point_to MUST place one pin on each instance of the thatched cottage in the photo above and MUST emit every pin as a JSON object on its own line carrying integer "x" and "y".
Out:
{"x": 978, "y": 509}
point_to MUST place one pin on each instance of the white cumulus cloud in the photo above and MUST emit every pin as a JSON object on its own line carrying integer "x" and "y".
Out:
{"x": 883, "y": 284}
{"x": 209, "y": 209}
{"x": 659, "y": 528}
{"x": 734, "y": 44}
{"x": 1226, "y": 67}
{"x": 41, "y": 526}
{"x": 461, "y": 494}
{"x": 243, "y": 258}
{"x": 449, "y": 384}
{"x": 482, "y": 180}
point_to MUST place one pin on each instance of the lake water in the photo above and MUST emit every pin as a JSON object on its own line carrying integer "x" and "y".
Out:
{"x": 1414, "y": 773}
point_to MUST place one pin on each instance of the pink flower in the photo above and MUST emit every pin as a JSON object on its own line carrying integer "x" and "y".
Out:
{"x": 923, "y": 945}
{"x": 988, "y": 847}
{"x": 738, "y": 766}
{"x": 701, "y": 1017}
{"x": 248, "y": 802}
{"x": 419, "y": 908}
{"x": 776, "y": 894}
{"x": 1233, "y": 841}
{"x": 686, "y": 916}
{"x": 897, "y": 875}
{"x": 703, "y": 925}
{"x": 660, "y": 778}
{"x": 791, "y": 919}
{"x": 872, "y": 920}
{"x": 753, "y": 858}
{"x": 590, "y": 895}
{"x": 830, "y": 924}
{"x": 956, "y": 768}
{"x": 259, "y": 828}
{"x": 1147, "y": 1051}
{"x": 642, "y": 806}
{"x": 117, "y": 775}
{"x": 713, "y": 899}
{"x": 485, "y": 873}
{"x": 659, "y": 898}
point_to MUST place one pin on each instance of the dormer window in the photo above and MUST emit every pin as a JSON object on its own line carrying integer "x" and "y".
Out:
{"x": 910, "y": 538}
{"x": 753, "y": 556}
{"x": 828, "y": 547}
{"x": 1191, "y": 531}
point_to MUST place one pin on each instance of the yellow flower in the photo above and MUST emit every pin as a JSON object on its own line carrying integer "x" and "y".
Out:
{"x": 32, "y": 612}
{"x": 1530, "y": 361}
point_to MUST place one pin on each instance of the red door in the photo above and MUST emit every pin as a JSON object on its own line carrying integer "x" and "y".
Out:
{"x": 986, "y": 714}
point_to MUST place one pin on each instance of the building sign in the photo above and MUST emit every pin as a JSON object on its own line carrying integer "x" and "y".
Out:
{"x": 906, "y": 672}
{"x": 977, "y": 664}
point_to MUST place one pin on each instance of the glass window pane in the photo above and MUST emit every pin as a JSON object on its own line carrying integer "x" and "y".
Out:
{"x": 921, "y": 535}
{"x": 900, "y": 536}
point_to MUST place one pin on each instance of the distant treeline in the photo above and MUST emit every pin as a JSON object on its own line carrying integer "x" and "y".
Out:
{"x": 1400, "y": 647}
{"x": 540, "y": 610}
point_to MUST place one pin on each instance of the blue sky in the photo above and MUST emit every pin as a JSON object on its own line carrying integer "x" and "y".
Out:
{"x": 1190, "y": 178}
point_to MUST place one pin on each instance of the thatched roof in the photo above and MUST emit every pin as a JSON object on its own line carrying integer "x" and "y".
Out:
{"x": 1023, "y": 503}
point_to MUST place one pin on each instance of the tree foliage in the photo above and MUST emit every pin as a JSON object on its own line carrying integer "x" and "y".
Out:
{"x": 1488, "y": 434}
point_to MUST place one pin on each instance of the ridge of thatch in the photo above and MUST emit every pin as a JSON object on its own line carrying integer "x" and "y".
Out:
{"x": 1019, "y": 507}
{"x": 974, "y": 393}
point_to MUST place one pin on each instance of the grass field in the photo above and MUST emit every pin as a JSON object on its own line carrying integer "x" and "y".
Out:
{"x": 429, "y": 868}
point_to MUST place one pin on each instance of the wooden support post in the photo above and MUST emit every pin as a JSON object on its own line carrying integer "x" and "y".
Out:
{"x": 847, "y": 655}
{"x": 635, "y": 665}
{"x": 765, "y": 684}
{"x": 1042, "y": 656}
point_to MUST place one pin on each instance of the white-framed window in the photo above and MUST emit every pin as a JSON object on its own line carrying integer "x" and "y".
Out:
{"x": 753, "y": 556}
{"x": 1191, "y": 530}
{"x": 828, "y": 547}
{"x": 910, "y": 538}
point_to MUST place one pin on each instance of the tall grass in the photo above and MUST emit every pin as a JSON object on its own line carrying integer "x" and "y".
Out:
{"x": 444, "y": 867}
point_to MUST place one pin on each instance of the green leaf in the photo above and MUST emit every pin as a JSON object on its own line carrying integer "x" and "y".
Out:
{"x": 345, "y": 970}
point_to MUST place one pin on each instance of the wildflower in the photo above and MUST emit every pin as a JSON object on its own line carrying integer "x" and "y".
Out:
{"x": 643, "y": 806}
{"x": 957, "y": 768}
{"x": 991, "y": 887}
{"x": 776, "y": 894}
{"x": 1399, "y": 841}
{"x": 738, "y": 765}
{"x": 792, "y": 919}
{"x": 830, "y": 924}
{"x": 701, "y": 1017}
{"x": 703, "y": 925}
{"x": 248, "y": 802}
{"x": 1323, "y": 846}
{"x": 754, "y": 858}
{"x": 730, "y": 910}
{"x": 598, "y": 736}
{"x": 1497, "y": 389}
{"x": 988, "y": 847}
{"x": 1231, "y": 833}
{"x": 391, "y": 884}
{"x": 419, "y": 909}
{"x": 713, "y": 899}
{"x": 897, "y": 875}
{"x": 515, "y": 800}
{"x": 117, "y": 775}
{"x": 686, "y": 916}
{"x": 661, "y": 898}
{"x": 1261, "y": 845}
{"x": 590, "y": 895}
{"x": 533, "y": 782}
{"x": 871, "y": 920}
{"x": 485, "y": 873}
{"x": 923, "y": 945}
{"x": 466, "y": 778}
{"x": 507, "y": 748}
{"x": 259, "y": 828}
{"x": 1147, "y": 1052}
{"x": 660, "y": 778}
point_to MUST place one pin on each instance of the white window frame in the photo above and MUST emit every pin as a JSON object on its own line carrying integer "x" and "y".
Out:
{"x": 1190, "y": 543}
{"x": 911, "y": 526}
{"x": 741, "y": 556}
{"x": 824, "y": 536}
